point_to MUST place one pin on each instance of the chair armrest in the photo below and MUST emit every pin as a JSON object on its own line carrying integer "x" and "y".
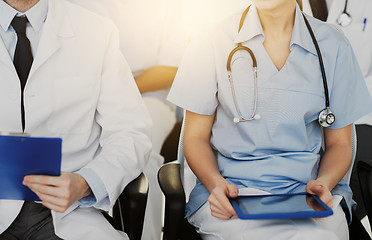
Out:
{"x": 171, "y": 185}
{"x": 129, "y": 209}
{"x": 357, "y": 230}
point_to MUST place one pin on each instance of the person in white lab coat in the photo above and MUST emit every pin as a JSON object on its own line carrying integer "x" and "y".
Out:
{"x": 357, "y": 27}
{"x": 152, "y": 39}
{"x": 80, "y": 89}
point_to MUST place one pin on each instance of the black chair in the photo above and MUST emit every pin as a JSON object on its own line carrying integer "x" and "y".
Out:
{"x": 364, "y": 171}
{"x": 357, "y": 230}
{"x": 175, "y": 225}
{"x": 170, "y": 145}
{"x": 129, "y": 209}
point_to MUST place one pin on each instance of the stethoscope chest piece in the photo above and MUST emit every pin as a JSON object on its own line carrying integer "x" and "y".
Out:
{"x": 326, "y": 117}
{"x": 344, "y": 19}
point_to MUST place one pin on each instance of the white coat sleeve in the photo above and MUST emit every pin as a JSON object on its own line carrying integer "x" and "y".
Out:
{"x": 125, "y": 139}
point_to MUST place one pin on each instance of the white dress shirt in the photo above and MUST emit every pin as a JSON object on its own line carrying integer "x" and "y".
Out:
{"x": 36, "y": 17}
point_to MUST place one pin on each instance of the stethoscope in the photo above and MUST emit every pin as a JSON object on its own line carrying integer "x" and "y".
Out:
{"x": 326, "y": 117}
{"x": 344, "y": 19}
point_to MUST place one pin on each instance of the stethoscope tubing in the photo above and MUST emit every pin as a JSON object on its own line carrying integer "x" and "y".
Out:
{"x": 254, "y": 63}
{"x": 324, "y": 77}
{"x": 324, "y": 114}
{"x": 345, "y": 8}
{"x": 242, "y": 118}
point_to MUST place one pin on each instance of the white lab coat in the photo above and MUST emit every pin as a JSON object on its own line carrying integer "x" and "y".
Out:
{"x": 151, "y": 34}
{"x": 155, "y": 33}
{"x": 359, "y": 35}
{"x": 80, "y": 89}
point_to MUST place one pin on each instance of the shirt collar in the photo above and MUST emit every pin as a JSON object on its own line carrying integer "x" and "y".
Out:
{"x": 35, "y": 15}
{"x": 251, "y": 26}
{"x": 300, "y": 35}
{"x": 7, "y": 14}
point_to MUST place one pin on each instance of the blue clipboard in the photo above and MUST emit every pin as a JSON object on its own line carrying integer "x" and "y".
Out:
{"x": 21, "y": 156}
{"x": 280, "y": 206}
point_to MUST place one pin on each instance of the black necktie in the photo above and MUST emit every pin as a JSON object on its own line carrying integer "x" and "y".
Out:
{"x": 319, "y": 9}
{"x": 22, "y": 57}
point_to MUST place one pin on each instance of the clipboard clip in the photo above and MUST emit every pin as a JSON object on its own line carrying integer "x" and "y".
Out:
{"x": 18, "y": 134}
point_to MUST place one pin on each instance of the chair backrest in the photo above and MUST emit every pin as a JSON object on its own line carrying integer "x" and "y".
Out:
{"x": 175, "y": 179}
{"x": 187, "y": 176}
{"x": 171, "y": 185}
{"x": 364, "y": 171}
{"x": 129, "y": 209}
{"x": 353, "y": 153}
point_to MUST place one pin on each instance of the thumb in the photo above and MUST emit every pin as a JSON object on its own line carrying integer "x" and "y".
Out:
{"x": 316, "y": 189}
{"x": 313, "y": 187}
{"x": 232, "y": 190}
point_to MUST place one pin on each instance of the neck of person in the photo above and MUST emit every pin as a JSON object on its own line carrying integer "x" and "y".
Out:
{"x": 21, "y": 5}
{"x": 279, "y": 19}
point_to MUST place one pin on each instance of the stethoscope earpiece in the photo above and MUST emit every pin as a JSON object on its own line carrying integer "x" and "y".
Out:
{"x": 256, "y": 117}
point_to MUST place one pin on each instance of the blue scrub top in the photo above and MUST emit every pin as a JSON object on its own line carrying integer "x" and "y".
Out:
{"x": 278, "y": 153}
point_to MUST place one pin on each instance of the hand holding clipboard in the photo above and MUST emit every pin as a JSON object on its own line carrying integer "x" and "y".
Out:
{"x": 24, "y": 155}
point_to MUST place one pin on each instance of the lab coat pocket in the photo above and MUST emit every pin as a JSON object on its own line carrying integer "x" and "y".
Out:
{"x": 74, "y": 104}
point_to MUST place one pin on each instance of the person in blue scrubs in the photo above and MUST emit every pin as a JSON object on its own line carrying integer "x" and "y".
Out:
{"x": 278, "y": 151}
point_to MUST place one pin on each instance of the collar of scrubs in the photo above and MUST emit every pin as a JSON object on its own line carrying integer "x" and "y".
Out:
{"x": 35, "y": 15}
{"x": 300, "y": 35}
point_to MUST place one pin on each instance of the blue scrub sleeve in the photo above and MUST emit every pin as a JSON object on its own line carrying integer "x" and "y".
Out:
{"x": 349, "y": 96}
{"x": 195, "y": 85}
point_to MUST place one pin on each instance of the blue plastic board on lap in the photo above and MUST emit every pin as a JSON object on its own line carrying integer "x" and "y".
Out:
{"x": 21, "y": 156}
{"x": 280, "y": 206}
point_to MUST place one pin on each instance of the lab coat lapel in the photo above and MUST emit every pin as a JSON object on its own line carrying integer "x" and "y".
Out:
{"x": 57, "y": 26}
{"x": 334, "y": 10}
{"x": 9, "y": 210}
